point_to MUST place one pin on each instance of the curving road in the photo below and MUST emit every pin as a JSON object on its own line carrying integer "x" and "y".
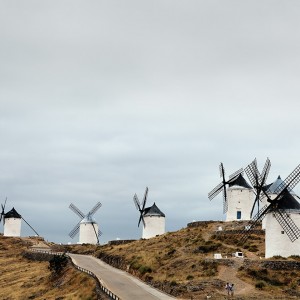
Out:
{"x": 119, "y": 282}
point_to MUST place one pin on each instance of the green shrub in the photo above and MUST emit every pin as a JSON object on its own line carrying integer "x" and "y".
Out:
{"x": 144, "y": 269}
{"x": 190, "y": 277}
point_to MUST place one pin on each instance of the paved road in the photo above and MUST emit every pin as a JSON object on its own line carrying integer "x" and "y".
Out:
{"x": 119, "y": 282}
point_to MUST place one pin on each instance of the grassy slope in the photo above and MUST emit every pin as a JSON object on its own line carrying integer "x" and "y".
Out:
{"x": 25, "y": 279}
{"x": 181, "y": 264}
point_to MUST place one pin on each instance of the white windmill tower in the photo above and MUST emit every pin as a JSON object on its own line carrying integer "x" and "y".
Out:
{"x": 281, "y": 216}
{"x": 88, "y": 228}
{"x": 238, "y": 196}
{"x": 12, "y": 222}
{"x": 153, "y": 219}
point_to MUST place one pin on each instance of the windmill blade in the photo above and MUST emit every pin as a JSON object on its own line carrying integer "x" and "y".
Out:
{"x": 265, "y": 171}
{"x": 253, "y": 223}
{"x": 225, "y": 203}
{"x": 137, "y": 202}
{"x": 30, "y": 226}
{"x": 99, "y": 232}
{"x": 77, "y": 211}
{"x": 96, "y": 233}
{"x": 257, "y": 180}
{"x": 252, "y": 173}
{"x": 290, "y": 182}
{"x": 235, "y": 174}
{"x": 145, "y": 199}
{"x": 141, "y": 219}
{"x": 75, "y": 230}
{"x": 222, "y": 170}
{"x": 94, "y": 209}
{"x": 262, "y": 213}
{"x": 3, "y": 210}
{"x": 287, "y": 224}
{"x": 212, "y": 194}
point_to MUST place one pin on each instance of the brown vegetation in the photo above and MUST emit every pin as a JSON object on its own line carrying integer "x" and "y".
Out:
{"x": 21, "y": 278}
{"x": 181, "y": 263}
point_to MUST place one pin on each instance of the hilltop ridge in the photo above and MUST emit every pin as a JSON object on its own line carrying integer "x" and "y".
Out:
{"x": 182, "y": 263}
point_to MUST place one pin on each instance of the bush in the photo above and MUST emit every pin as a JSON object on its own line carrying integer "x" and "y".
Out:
{"x": 260, "y": 285}
{"x": 190, "y": 277}
{"x": 173, "y": 283}
{"x": 253, "y": 248}
{"x": 171, "y": 252}
{"x": 58, "y": 263}
{"x": 209, "y": 268}
{"x": 144, "y": 269}
{"x": 209, "y": 246}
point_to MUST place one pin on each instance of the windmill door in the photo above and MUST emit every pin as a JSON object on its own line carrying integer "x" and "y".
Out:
{"x": 238, "y": 215}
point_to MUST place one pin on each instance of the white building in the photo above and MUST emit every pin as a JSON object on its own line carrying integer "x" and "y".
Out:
{"x": 154, "y": 222}
{"x": 240, "y": 199}
{"x": 88, "y": 231}
{"x": 12, "y": 223}
{"x": 277, "y": 241}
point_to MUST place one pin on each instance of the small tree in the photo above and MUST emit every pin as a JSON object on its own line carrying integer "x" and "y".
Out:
{"x": 58, "y": 263}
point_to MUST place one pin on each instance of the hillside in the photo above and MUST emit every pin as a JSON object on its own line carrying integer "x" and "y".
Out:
{"x": 21, "y": 278}
{"x": 181, "y": 263}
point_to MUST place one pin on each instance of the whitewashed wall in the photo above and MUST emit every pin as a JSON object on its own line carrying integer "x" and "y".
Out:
{"x": 87, "y": 233}
{"x": 239, "y": 199}
{"x": 155, "y": 225}
{"x": 12, "y": 227}
{"x": 278, "y": 243}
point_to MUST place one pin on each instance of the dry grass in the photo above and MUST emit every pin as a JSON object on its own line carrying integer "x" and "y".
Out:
{"x": 181, "y": 263}
{"x": 25, "y": 279}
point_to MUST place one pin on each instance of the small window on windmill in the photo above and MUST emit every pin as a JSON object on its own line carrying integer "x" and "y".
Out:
{"x": 282, "y": 232}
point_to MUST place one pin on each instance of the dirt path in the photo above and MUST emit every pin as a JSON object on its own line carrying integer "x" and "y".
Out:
{"x": 229, "y": 274}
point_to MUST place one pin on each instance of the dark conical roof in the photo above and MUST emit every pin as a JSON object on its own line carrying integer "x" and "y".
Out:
{"x": 272, "y": 188}
{"x": 287, "y": 201}
{"x": 240, "y": 181}
{"x": 153, "y": 211}
{"x": 12, "y": 214}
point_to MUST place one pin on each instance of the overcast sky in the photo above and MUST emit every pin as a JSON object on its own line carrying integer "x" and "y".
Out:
{"x": 99, "y": 99}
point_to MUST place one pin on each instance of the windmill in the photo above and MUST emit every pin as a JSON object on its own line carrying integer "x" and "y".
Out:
{"x": 12, "y": 222}
{"x": 3, "y": 210}
{"x": 87, "y": 227}
{"x": 152, "y": 217}
{"x": 237, "y": 194}
{"x": 281, "y": 213}
{"x": 258, "y": 180}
